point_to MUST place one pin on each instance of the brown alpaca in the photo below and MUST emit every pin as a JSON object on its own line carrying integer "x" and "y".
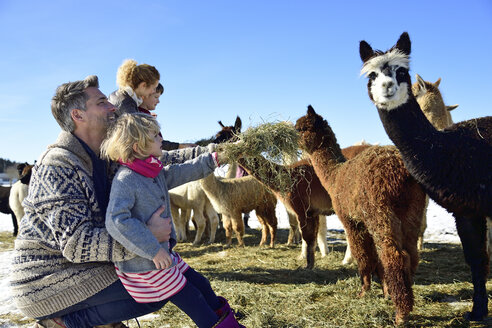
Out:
{"x": 232, "y": 197}
{"x": 307, "y": 198}
{"x": 431, "y": 103}
{"x": 379, "y": 204}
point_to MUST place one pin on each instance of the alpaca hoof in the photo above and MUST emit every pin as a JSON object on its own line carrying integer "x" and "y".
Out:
{"x": 401, "y": 319}
{"x": 474, "y": 316}
{"x": 347, "y": 261}
{"x": 309, "y": 266}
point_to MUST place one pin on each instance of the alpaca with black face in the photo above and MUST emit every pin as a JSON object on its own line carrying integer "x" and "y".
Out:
{"x": 454, "y": 166}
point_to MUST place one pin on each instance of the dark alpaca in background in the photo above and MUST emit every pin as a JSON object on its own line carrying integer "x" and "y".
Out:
{"x": 378, "y": 203}
{"x": 5, "y": 208}
{"x": 454, "y": 166}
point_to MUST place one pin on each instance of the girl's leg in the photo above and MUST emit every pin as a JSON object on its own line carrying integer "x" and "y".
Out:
{"x": 203, "y": 285}
{"x": 192, "y": 302}
{"x": 112, "y": 304}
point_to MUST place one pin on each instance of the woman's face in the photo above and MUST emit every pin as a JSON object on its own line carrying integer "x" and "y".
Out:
{"x": 145, "y": 90}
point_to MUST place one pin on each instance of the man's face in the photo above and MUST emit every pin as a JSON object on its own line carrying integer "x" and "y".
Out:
{"x": 99, "y": 111}
{"x": 151, "y": 102}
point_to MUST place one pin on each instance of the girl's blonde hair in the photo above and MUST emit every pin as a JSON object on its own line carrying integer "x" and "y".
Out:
{"x": 130, "y": 74}
{"x": 130, "y": 129}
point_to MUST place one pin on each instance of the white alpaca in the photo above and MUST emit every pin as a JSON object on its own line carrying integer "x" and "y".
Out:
{"x": 17, "y": 194}
{"x": 232, "y": 197}
{"x": 187, "y": 197}
{"x": 19, "y": 191}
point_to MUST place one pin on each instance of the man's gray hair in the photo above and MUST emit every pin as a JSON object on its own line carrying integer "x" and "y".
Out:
{"x": 69, "y": 96}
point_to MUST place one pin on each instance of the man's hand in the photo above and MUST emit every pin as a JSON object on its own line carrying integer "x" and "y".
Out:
{"x": 159, "y": 226}
{"x": 162, "y": 260}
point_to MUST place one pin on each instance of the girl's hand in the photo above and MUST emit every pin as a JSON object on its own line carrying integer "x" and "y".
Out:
{"x": 162, "y": 260}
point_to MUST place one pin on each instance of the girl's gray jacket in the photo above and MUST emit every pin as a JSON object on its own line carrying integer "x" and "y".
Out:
{"x": 133, "y": 200}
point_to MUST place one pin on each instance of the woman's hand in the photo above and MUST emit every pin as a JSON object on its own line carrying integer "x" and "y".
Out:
{"x": 162, "y": 260}
{"x": 159, "y": 226}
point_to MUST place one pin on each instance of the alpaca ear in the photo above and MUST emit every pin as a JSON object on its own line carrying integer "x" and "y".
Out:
{"x": 436, "y": 84}
{"x": 238, "y": 124}
{"x": 220, "y": 123}
{"x": 450, "y": 108}
{"x": 404, "y": 44}
{"x": 310, "y": 110}
{"x": 365, "y": 51}
{"x": 421, "y": 81}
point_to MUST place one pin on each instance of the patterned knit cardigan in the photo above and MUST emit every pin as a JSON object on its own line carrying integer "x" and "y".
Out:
{"x": 63, "y": 252}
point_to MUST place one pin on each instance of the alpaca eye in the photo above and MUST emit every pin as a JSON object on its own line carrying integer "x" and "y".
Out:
{"x": 401, "y": 72}
{"x": 372, "y": 76}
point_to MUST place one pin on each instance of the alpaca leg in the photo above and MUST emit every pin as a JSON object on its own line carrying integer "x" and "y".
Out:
{"x": 200, "y": 225}
{"x": 213, "y": 219}
{"x": 309, "y": 230}
{"x": 238, "y": 226}
{"x": 270, "y": 220}
{"x": 179, "y": 225}
{"x": 348, "y": 258}
{"x": 294, "y": 233}
{"x": 472, "y": 232}
{"x": 322, "y": 231}
{"x": 489, "y": 237}
{"x": 397, "y": 270}
{"x": 423, "y": 226}
{"x": 384, "y": 285}
{"x": 227, "y": 223}
{"x": 364, "y": 251}
{"x": 304, "y": 249}
{"x": 14, "y": 223}
{"x": 186, "y": 218}
{"x": 273, "y": 233}
{"x": 264, "y": 229}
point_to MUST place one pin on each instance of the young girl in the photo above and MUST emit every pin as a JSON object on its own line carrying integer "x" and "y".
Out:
{"x": 139, "y": 188}
{"x": 134, "y": 82}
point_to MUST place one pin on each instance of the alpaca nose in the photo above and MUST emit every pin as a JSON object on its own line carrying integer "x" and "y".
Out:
{"x": 388, "y": 84}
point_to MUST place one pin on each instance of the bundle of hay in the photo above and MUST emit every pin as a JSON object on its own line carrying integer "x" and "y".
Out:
{"x": 277, "y": 142}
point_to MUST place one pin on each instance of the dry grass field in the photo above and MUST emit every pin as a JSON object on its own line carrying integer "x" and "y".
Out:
{"x": 269, "y": 288}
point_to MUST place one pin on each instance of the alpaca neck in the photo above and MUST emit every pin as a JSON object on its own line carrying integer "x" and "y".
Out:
{"x": 408, "y": 127}
{"x": 210, "y": 182}
{"x": 326, "y": 161}
{"x": 231, "y": 172}
{"x": 419, "y": 143}
{"x": 265, "y": 171}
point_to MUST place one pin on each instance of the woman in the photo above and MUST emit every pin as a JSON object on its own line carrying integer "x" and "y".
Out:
{"x": 134, "y": 82}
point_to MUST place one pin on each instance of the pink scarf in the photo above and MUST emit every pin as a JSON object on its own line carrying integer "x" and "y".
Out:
{"x": 150, "y": 167}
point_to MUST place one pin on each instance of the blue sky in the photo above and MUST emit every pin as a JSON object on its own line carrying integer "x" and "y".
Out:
{"x": 262, "y": 60}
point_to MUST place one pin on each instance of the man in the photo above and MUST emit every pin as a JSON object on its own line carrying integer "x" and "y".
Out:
{"x": 62, "y": 271}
